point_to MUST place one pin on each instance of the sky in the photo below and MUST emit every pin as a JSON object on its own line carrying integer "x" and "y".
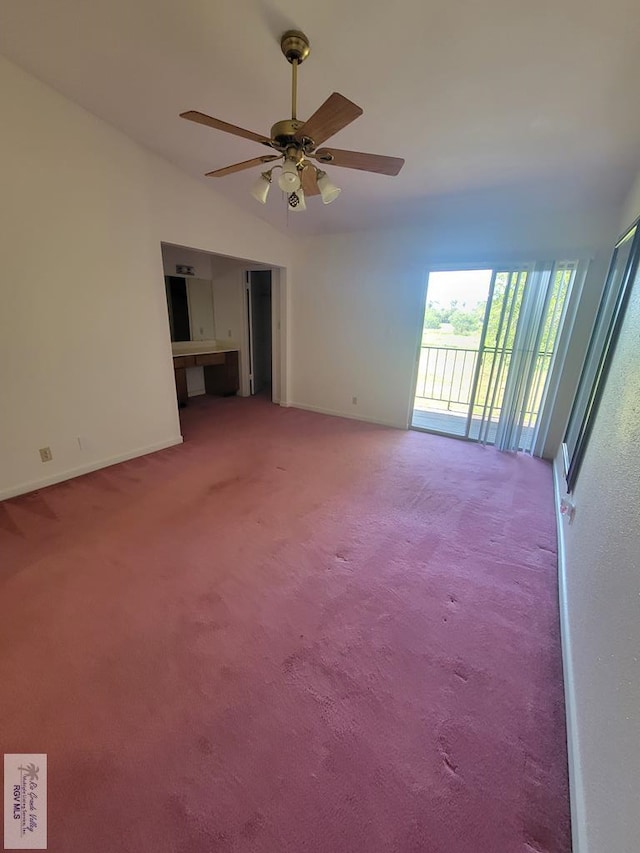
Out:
{"x": 465, "y": 286}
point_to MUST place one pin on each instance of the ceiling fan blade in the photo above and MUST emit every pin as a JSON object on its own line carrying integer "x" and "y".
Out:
{"x": 356, "y": 160}
{"x": 336, "y": 112}
{"x": 218, "y": 124}
{"x": 310, "y": 180}
{"x": 239, "y": 167}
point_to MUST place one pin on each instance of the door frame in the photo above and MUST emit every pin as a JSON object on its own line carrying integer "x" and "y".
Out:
{"x": 546, "y": 416}
{"x": 279, "y": 385}
{"x": 248, "y": 319}
{"x": 463, "y": 266}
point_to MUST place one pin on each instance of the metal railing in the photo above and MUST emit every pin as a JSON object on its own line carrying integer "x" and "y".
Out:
{"x": 446, "y": 376}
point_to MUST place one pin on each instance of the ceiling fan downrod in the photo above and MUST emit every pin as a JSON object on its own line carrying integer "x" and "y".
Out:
{"x": 296, "y": 48}
{"x": 294, "y": 89}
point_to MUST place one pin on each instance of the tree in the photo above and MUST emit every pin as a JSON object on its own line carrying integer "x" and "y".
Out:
{"x": 432, "y": 318}
{"x": 503, "y": 318}
{"x": 464, "y": 322}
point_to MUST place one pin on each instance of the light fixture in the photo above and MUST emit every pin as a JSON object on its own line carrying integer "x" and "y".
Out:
{"x": 290, "y": 182}
{"x": 260, "y": 189}
{"x": 293, "y": 143}
{"x": 296, "y": 200}
{"x": 289, "y": 179}
{"x": 328, "y": 190}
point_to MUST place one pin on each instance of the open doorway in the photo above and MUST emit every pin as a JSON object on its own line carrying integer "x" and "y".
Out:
{"x": 260, "y": 325}
{"x": 225, "y": 319}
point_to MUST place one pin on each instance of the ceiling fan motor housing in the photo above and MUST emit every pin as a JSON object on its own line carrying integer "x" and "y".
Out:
{"x": 295, "y": 45}
{"x": 283, "y": 134}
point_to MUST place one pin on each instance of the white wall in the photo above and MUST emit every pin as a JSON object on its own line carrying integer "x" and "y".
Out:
{"x": 358, "y": 304}
{"x": 83, "y": 327}
{"x": 228, "y": 296}
{"x": 631, "y": 209}
{"x": 173, "y": 256}
{"x": 601, "y": 607}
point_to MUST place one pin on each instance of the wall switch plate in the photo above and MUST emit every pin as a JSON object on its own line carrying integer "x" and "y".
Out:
{"x": 45, "y": 454}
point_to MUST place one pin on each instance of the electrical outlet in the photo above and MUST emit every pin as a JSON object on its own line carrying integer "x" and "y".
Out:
{"x": 229, "y": 333}
{"x": 354, "y": 400}
{"x": 45, "y": 454}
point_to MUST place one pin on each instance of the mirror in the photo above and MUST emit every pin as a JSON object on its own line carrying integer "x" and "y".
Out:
{"x": 190, "y": 307}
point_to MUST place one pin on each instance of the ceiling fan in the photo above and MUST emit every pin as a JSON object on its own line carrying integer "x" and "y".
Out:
{"x": 297, "y": 141}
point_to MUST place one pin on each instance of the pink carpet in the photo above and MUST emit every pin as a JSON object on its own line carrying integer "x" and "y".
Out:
{"x": 292, "y": 633}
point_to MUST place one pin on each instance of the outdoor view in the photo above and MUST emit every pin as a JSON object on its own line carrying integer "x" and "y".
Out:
{"x": 456, "y": 366}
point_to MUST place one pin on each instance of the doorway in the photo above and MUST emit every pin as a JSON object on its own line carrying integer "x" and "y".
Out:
{"x": 487, "y": 351}
{"x": 260, "y": 322}
{"x": 227, "y": 325}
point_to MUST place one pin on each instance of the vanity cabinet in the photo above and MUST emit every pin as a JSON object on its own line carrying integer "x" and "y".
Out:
{"x": 221, "y": 373}
{"x": 222, "y": 378}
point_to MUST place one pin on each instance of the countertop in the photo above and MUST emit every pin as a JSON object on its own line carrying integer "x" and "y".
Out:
{"x": 202, "y": 347}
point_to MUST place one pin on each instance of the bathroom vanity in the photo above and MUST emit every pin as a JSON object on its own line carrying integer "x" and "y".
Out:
{"x": 218, "y": 361}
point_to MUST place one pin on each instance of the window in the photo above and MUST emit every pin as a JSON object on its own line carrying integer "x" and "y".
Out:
{"x": 622, "y": 271}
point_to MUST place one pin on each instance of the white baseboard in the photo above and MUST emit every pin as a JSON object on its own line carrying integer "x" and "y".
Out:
{"x": 576, "y": 788}
{"x": 31, "y": 486}
{"x": 349, "y": 415}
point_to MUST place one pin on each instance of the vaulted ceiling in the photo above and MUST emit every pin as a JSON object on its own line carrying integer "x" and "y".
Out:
{"x": 495, "y": 98}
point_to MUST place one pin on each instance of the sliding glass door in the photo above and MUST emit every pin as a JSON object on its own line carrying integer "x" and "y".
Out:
{"x": 499, "y": 379}
{"x": 450, "y": 348}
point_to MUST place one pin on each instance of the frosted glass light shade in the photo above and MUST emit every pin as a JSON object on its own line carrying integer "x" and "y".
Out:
{"x": 289, "y": 179}
{"x": 328, "y": 190}
{"x": 260, "y": 189}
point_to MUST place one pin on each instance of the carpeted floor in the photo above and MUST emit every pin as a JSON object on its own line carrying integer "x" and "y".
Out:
{"x": 292, "y": 633}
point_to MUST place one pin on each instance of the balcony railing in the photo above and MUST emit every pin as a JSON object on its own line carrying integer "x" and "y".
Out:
{"x": 446, "y": 376}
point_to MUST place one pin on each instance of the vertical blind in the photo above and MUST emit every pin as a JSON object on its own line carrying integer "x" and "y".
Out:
{"x": 517, "y": 351}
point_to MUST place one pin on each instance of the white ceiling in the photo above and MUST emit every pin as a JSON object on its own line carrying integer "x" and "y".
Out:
{"x": 494, "y": 97}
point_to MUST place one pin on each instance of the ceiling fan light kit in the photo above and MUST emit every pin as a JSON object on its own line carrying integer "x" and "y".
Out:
{"x": 296, "y": 141}
{"x": 261, "y": 187}
{"x": 289, "y": 179}
{"x": 328, "y": 190}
